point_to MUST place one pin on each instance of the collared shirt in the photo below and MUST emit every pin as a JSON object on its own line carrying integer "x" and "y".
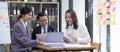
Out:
{"x": 44, "y": 29}
{"x": 24, "y": 24}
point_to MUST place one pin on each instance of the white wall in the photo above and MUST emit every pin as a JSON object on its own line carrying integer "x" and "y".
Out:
{"x": 115, "y": 30}
{"x": 79, "y": 7}
{"x": 99, "y": 31}
{"x": 64, "y": 7}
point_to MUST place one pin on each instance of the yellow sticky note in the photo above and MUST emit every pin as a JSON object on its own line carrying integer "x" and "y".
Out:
{"x": 99, "y": 5}
{"x": 114, "y": 2}
{"x": 108, "y": 22}
{"x": 2, "y": 16}
{"x": 104, "y": 10}
{"x": 107, "y": 4}
{"x": 110, "y": 15}
{"x": 114, "y": 22}
{"x": 99, "y": 22}
{"x": 114, "y": 15}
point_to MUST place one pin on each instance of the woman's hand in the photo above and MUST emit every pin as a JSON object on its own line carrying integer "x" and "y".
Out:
{"x": 65, "y": 39}
{"x": 41, "y": 42}
{"x": 73, "y": 37}
{"x": 41, "y": 37}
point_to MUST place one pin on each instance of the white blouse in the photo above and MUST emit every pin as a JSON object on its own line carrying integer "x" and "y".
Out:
{"x": 24, "y": 24}
{"x": 81, "y": 33}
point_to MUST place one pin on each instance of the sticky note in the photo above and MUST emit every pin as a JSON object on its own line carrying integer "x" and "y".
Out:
{"x": 113, "y": 9}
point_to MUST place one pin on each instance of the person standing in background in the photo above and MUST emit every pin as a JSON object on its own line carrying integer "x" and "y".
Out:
{"x": 42, "y": 28}
{"x": 75, "y": 33}
{"x": 20, "y": 38}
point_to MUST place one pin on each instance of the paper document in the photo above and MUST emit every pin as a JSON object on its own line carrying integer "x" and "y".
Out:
{"x": 41, "y": 37}
{"x": 75, "y": 45}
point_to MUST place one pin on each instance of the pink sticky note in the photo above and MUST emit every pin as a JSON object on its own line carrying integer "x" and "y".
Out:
{"x": 113, "y": 9}
{"x": 98, "y": 10}
{"x": 108, "y": 9}
{"x": 104, "y": 22}
{"x": 101, "y": 16}
{"x": 110, "y": 3}
{"x": 104, "y": 4}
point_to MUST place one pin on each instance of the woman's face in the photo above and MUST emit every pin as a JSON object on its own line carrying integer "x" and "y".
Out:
{"x": 68, "y": 18}
{"x": 27, "y": 17}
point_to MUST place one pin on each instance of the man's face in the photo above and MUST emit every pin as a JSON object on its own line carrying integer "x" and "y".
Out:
{"x": 43, "y": 20}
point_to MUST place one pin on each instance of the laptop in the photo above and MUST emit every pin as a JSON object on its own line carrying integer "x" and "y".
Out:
{"x": 54, "y": 37}
{"x": 51, "y": 37}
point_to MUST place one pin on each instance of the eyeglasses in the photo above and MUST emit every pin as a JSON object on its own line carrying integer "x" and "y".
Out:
{"x": 43, "y": 20}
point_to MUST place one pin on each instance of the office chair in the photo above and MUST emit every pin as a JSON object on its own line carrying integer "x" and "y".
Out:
{"x": 6, "y": 47}
{"x": 97, "y": 46}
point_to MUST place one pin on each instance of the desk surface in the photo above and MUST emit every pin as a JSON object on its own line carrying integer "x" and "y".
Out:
{"x": 66, "y": 48}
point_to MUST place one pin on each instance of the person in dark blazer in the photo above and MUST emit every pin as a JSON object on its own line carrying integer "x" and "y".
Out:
{"x": 43, "y": 26}
{"x": 20, "y": 38}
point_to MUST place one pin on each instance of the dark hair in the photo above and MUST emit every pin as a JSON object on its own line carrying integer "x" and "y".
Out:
{"x": 23, "y": 11}
{"x": 74, "y": 18}
{"x": 39, "y": 15}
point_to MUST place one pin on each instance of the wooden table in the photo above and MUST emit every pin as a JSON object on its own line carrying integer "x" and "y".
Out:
{"x": 86, "y": 48}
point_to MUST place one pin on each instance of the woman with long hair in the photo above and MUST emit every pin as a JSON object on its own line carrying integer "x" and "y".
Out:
{"x": 75, "y": 32}
{"x": 20, "y": 38}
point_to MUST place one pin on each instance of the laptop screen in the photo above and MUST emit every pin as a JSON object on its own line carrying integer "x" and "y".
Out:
{"x": 54, "y": 37}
